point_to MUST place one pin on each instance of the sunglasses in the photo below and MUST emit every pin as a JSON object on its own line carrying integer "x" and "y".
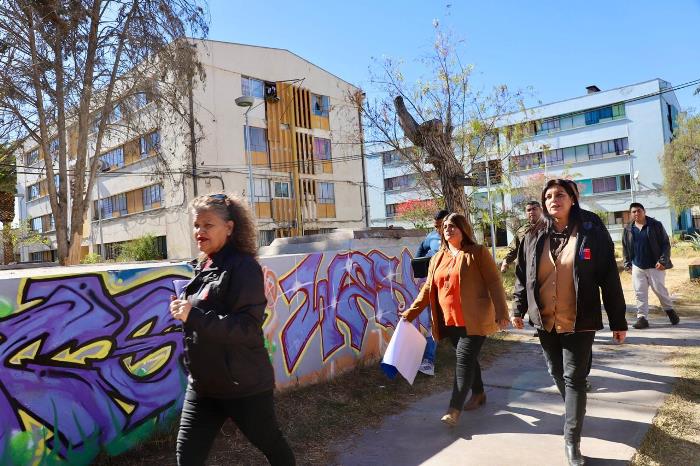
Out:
{"x": 219, "y": 197}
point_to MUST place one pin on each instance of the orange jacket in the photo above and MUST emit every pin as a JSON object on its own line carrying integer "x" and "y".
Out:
{"x": 482, "y": 295}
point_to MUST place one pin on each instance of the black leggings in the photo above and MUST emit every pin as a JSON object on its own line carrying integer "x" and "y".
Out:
{"x": 203, "y": 417}
{"x": 467, "y": 371}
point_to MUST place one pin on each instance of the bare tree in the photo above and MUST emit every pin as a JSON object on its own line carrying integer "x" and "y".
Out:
{"x": 457, "y": 127}
{"x": 69, "y": 69}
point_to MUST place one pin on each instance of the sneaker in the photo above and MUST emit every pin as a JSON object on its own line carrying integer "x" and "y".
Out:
{"x": 641, "y": 323}
{"x": 427, "y": 367}
{"x": 673, "y": 317}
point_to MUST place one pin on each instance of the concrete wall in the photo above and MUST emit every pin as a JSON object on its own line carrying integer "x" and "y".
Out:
{"x": 93, "y": 361}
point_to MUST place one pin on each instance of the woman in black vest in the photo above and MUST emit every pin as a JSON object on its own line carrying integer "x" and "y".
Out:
{"x": 230, "y": 374}
{"x": 563, "y": 264}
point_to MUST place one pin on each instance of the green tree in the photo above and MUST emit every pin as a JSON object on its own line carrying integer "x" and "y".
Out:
{"x": 8, "y": 187}
{"x": 681, "y": 164}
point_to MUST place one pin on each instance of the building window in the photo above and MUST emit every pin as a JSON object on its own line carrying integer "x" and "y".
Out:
{"x": 152, "y": 195}
{"x": 261, "y": 190}
{"x": 114, "y": 158}
{"x": 149, "y": 142}
{"x": 252, "y": 87}
{"x": 35, "y": 224}
{"x": 604, "y": 185}
{"x": 495, "y": 172}
{"x": 400, "y": 182}
{"x": 265, "y": 237}
{"x": 322, "y": 149}
{"x": 391, "y": 210}
{"x": 113, "y": 204}
{"x": 258, "y": 139}
{"x": 32, "y": 157}
{"x": 282, "y": 189}
{"x": 326, "y": 193}
{"x": 390, "y": 157}
{"x": 33, "y": 192}
{"x": 320, "y": 105}
{"x": 52, "y": 223}
{"x": 116, "y": 114}
{"x": 141, "y": 99}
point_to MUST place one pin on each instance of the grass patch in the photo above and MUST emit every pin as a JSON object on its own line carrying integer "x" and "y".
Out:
{"x": 674, "y": 437}
{"x": 315, "y": 417}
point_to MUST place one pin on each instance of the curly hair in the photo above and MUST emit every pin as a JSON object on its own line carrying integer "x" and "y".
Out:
{"x": 244, "y": 236}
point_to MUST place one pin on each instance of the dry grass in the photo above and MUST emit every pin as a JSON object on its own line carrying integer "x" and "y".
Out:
{"x": 674, "y": 437}
{"x": 315, "y": 417}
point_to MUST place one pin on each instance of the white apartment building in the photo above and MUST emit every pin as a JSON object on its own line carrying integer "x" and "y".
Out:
{"x": 305, "y": 156}
{"x": 608, "y": 141}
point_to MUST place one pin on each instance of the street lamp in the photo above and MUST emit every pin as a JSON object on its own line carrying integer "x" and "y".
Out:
{"x": 101, "y": 168}
{"x": 247, "y": 103}
{"x": 628, "y": 153}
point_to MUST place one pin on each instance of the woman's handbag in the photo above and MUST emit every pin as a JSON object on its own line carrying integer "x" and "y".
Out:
{"x": 420, "y": 266}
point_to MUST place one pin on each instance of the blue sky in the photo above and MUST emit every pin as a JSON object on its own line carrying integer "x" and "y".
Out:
{"x": 556, "y": 47}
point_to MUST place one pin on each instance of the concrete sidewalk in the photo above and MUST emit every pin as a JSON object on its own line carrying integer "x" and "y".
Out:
{"x": 521, "y": 423}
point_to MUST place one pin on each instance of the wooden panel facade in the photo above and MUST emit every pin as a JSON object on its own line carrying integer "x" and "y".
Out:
{"x": 263, "y": 209}
{"x": 259, "y": 159}
{"x": 283, "y": 210}
{"x": 320, "y": 122}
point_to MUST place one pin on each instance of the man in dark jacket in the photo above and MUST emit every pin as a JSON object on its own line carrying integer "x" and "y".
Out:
{"x": 647, "y": 254}
{"x": 533, "y": 211}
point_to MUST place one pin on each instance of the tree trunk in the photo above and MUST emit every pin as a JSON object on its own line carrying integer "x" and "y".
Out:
{"x": 436, "y": 141}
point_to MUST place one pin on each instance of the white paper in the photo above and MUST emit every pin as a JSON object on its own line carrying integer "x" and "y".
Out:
{"x": 405, "y": 350}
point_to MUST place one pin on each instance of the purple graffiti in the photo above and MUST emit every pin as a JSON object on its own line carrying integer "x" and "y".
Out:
{"x": 351, "y": 278}
{"x": 85, "y": 363}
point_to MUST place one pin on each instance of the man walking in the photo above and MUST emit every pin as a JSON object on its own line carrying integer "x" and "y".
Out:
{"x": 427, "y": 248}
{"x": 647, "y": 253}
{"x": 533, "y": 211}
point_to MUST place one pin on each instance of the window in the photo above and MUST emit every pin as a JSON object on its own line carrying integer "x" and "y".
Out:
{"x": 53, "y": 149}
{"x": 113, "y": 204}
{"x": 116, "y": 113}
{"x": 625, "y": 184}
{"x": 261, "y": 190}
{"x": 322, "y": 149}
{"x": 33, "y": 192}
{"x": 149, "y": 142}
{"x": 258, "y": 139}
{"x": 400, "y": 182}
{"x": 35, "y": 224}
{"x": 282, "y": 189}
{"x": 495, "y": 172}
{"x": 265, "y": 237}
{"x": 326, "y": 193}
{"x": 391, "y": 157}
{"x": 114, "y": 158}
{"x": 547, "y": 126}
{"x": 320, "y": 105}
{"x": 391, "y": 210}
{"x": 32, "y": 157}
{"x": 252, "y": 87}
{"x": 141, "y": 100}
{"x": 604, "y": 185}
{"x": 152, "y": 195}
{"x": 52, "y": 223}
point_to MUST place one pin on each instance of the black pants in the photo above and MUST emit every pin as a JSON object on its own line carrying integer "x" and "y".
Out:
{"x": 568, "y": 357}
{"x": 467, "y": 371}
{"x": 203, "y": 417}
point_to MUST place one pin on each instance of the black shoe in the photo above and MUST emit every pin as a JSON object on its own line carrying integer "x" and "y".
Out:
{"x": 641, "y": 323}
{"x": 673, "y": 317}
{"x": 573, "y": 454}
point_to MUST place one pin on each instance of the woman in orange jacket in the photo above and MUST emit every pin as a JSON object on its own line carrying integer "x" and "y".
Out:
{"x": 467, "y": 302}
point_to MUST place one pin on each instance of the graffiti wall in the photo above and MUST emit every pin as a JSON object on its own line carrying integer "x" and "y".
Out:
{"x": 92, "y": 362}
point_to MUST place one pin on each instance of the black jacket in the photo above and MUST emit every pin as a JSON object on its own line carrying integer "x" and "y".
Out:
{"x": 591, "y": 276}
{"x": 658, "y": 243}
{"x": 224, "y": 343}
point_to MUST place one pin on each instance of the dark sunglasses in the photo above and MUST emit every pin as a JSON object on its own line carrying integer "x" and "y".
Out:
{"x": 220, "y": 197}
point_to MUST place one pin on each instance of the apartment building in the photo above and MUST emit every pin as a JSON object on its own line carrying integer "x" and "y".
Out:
{"x": 302, "y": 146}
{"x": 608, "y": 141}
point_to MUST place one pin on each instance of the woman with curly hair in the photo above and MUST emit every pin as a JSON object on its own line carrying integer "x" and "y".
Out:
{"x": 230, "y": 374}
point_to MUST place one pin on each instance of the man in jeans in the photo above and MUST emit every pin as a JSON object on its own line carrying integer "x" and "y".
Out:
{"x": 427, "y": 248}
{"x": 647, "y": 253}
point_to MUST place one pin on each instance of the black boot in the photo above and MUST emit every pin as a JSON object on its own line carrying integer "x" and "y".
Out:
{"x": 573, "y": 454}
{"x": 673, "y": 317}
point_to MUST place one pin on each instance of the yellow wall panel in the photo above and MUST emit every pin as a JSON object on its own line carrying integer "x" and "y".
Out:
{"x": 259, "y": 158}
{"x": 263, "y": 209}
{"x": 327, "y": 166}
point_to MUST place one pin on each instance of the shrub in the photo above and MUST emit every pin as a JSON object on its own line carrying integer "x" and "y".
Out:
{"x": 141, "y": 249}
{"x": 92, "y": 258}
{"x": 693, "y": 240}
